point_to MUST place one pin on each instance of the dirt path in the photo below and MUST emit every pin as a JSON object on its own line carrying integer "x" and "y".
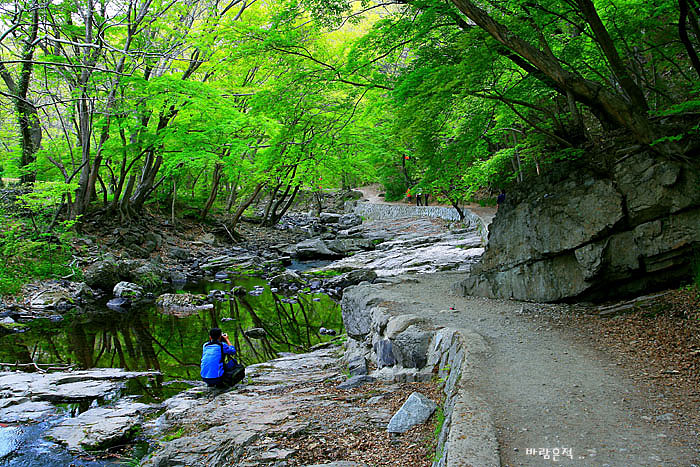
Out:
{"x": 549, "y": 388}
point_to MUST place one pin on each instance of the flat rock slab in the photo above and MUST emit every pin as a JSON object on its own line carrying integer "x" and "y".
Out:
{"x": 73, "y": 385}
{"x": 24, "y": 396}
{"x": 223, "y": 424}
{"x": 100, "y": 427}
{"x": 414, "y": 246}
{"x": 24, "y": 412}
{"x": 243, "y": 426}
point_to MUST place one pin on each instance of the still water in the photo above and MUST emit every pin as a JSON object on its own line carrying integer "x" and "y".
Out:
{"x": 147, "y": 338}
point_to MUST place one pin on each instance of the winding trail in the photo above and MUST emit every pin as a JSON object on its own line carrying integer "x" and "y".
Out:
{"x": 544, "y": 387}
{"x": 542, "y": 384}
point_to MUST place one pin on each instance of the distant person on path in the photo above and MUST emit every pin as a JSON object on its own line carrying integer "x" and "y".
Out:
{"x": 501, "y": 198}
{"x": 215, "y": 370}
{"x": 418, "y": 197}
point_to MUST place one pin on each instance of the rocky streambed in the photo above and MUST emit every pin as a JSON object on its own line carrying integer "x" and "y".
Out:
{"x": 253, "y": 294}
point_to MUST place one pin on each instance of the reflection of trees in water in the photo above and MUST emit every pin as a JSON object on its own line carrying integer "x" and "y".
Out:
{"x": 288, "y": 326}
{"x": 147, "y": 339}
{"x": 83, "y": 344}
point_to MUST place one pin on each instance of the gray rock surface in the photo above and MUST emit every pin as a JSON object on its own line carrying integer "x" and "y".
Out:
{"x": 589, "y": 236}
{"x": 26, "y": 396}
{"x": 103, "y": 274}
{"x": 223, "y": 262}
{"x": 357, "y": 366}
{"x": 255, "y": 333}
{"x": 348, "y": 221}
{"x": 232, "y": 427}
{"x": 347, "y": 246}
{"x": 385, "y": 353}
{"x": 410, "y": 347}
{"x": 52, "y": 299}
{"x": 182, "y": 303}
{"x": 106, "y": 273}
{"x": 356, "y": 381}
{"x": 100, "y": 427}
{"x": 352, "y": 278}
{"x": 416, "y": 410}
{"x": 329, "y": 217}
{"x": 133, "y": 292}
{"x": 285, "y": 279}
{"x": 314, "y": 248}
{"x": 26, "y": 411}
{"x": 413, "y": 245}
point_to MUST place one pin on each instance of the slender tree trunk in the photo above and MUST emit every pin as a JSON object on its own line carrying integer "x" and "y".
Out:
{"x": 172, "y": 205}
{"x": 683, "y": 34}
{"x": 276, "y": 216}
{"x": 27, "y": 116}
{"x": 241, "y": 209}
{"x": 216, "y": 178}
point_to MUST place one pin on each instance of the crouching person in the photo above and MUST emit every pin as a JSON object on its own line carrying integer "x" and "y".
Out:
{"x": 218, "y": 367}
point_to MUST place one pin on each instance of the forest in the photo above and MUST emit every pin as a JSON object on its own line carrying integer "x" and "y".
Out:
{"x": 201, "y": 107}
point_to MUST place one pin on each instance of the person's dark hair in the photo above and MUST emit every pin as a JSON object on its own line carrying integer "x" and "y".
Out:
{"x": 215, "y": 334}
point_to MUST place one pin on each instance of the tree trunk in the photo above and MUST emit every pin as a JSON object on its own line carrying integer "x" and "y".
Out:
{"x": 276, "y": 216}
{"x": 241, "y": 209}
{"x": 146, "y": 182}
{"x": 216, "y": 178}
{"x": 634, "y": 92}
{"x": 27, "y": 116}
{"x": 172, "y": 205}
{"x": 588, "y": 92}
{"x": 683, "y": 34}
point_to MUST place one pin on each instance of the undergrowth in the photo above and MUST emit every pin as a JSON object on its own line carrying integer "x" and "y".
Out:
{"x": 33, "y": 245}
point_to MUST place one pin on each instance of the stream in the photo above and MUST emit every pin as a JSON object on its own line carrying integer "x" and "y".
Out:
{"x": 146, "y": 338}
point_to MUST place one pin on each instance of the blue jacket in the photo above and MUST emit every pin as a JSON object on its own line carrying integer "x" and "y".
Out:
{"x": 212, "y": 365}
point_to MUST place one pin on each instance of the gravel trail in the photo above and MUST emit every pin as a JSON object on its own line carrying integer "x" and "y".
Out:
{"x": 548, "y": 390}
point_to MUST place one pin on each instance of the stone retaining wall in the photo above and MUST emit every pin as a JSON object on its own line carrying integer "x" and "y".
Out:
{"x": 406, "y": 347}
{"x": 376, "y": 212}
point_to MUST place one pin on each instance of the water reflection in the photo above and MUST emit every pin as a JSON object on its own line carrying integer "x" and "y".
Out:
{"x": 148, "y": 339}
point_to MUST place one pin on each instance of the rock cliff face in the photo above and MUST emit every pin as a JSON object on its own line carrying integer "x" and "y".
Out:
{"x": 587, "y": 235}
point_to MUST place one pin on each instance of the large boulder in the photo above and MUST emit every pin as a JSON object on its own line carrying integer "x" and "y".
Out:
{"x": 346, "y": 246}
{"x": 352, "y": 278}
{"x": 356, "y": 307}
{"x": 106, "y": 273}
{"x": 284, "y": 280}
{"x": 52, "y": 300}
{"x": 329, "y": 218}
{"x": 19, "y": 388}
{"x": 410, "y": 347}
{"x": 580, "y": 234}
{"x": 103, "y": 274}
{"x": 314, "y": 248}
